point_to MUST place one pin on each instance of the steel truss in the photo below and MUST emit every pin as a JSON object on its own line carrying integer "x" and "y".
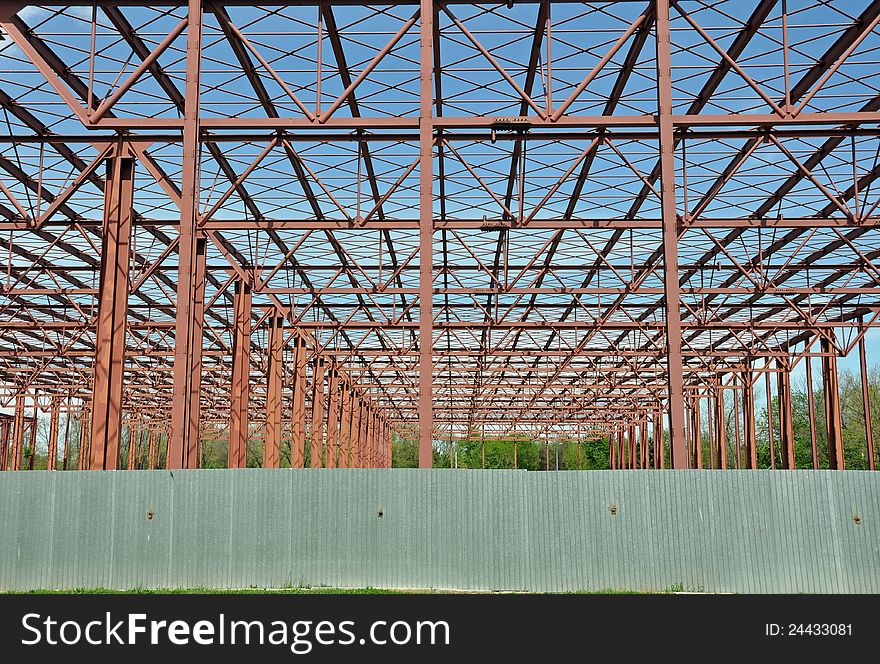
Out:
{"x": 239, "y": 221}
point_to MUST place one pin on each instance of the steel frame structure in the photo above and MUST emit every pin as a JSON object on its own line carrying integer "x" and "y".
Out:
{"x": 605, "y": 218}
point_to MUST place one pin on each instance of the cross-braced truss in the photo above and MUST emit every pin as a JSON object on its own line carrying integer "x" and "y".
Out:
{"x": 598, "y": 213}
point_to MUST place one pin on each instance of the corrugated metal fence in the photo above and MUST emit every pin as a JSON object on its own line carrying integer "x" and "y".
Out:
{"x": 751, "y": 531}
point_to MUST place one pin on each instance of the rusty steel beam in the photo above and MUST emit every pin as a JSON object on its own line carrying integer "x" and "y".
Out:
{"x": 831, "y": 396}
{"x": 239, "y": 398}
{"x": 112, "y": 311}
{"x": 274, "y": 378}
{"x": 333, "y": 414}
{"x": 786, "y": 421}
{"x": 298, "y": 418}
{"x": 670, "y": 240}
{"x": 508, "y": 312}
{"x": 317, "y": 430}
{"x": 185, "y": 412}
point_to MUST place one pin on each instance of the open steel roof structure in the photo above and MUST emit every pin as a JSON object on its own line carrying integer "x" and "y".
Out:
{"x": 329, "y": 220}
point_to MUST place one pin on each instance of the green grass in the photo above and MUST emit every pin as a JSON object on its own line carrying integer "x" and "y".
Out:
{"x": 214, "y": 591}
{"x": 306, "y": 591}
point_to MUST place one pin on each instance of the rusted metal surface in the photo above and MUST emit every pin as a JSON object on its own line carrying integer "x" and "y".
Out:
{"x": 547, "y": 219}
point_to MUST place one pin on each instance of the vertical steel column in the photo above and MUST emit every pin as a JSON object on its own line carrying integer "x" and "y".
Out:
{"x": 866, "y": 401}
{"x": 151, "y": 449}
{"x": 345, "y": 431}
{"x": 188, "y": 348}
{"x": 239, "y": 395}
{"x": 84, "y": 444}
{"x": 612, "y": 450}
{"x": 129, "y": 461}
{"x": 332, "y": 419}
{"x": 317, "y": 413}
{"x": 272, "y": 444}
{"x": 65, "y": 456}
{"x": 677, "y": 441}
{"x": 18, "y": 432}
{"x": 366, "y": 416}
{"x": 770, "y": 442}
{"x": 366, "y": 457}
{"x": 631, "y": 442}
{"x": 643, "y": 444}
{"x": 33, "y": 438}
{"x": 362, "y": 442}
{"x": 426, "y": 235}
{"x": 736, "y": 430}
{"x": 697, "y": 435}
{"x": 786, "y": 422}
{"x": 832, "y": 407}
{"x": 112, "y": 309}
{"x": 720, "y": 430}
{"x": 197, "y": 324}
{"x": 749, "y": 418}
{"x": 354, "y": 437}
{"x": 659, "y": 442}
{"x": 371, "y": 440}
{"x": 5, "y": 431}
{"x": 298, "y": 418}
{"x": 710, "y": 428}
{"x": 54, "y": 421}
{"x": 811, "y": 408}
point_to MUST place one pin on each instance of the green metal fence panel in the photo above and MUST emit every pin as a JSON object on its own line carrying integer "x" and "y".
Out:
{"x": 715, "y": 531}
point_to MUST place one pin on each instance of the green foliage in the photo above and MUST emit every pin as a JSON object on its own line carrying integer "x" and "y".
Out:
{"x": 855, "y": 449}
{"x": 404, "y": 452}
{"x": 497, "y": 452}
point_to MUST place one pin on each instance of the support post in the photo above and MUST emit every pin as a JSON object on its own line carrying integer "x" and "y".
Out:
{"x": 317, "y": 414}
{"x": 133, "y": 433}
{"x": 345, "y": 432}
{"x": 85, "y": 418}
{"x": 298, "y": 418}
{"x": 151, "y": 449}
{"x": 697, "y": 430}
{"x": 749, "y": 419}
{"x": 112, "y": 310}
{"x": 675, "y": 365}
{"x": 426, "y": 234}
{"x": 188, "y": 347}
{"x": 5, "y": 439}
{"x": 354, "y": 434}
{"x": 272, "y": 443}
{"x": 786, "y": 422}
{"x": 33, "y": 441}
{"x": 659, "y": 442}
{"x": 632, "y": 451}
{"x": 811, "y": 406}
{"x": 332, "y": 419}
{"x": 197, "y": 323}
{"x": 54, "y": 421}
{"x": 866, "y": 402}
{"x": 18, "y": 432}
{"x": 736, "y": 431}
{"x": 832, "y": 407}
{"x": 66, "y": 457}
{"x": 240, "y": 389}
{"x": 770, "y": 442}
{"x": 720, "y": 430}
